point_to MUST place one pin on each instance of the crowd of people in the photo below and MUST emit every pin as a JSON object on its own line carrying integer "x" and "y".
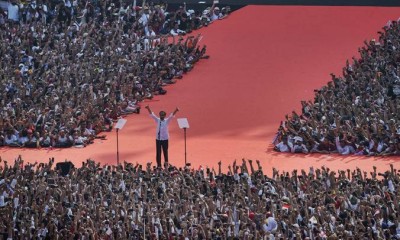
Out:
{"x": 358, "y": 113}
{"x": 41, "y": 201}
{"x": 69, "y": 69}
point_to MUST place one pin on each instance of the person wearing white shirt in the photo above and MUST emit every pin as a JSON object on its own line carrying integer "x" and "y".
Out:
{"x": 150, "y": 38}
{"x": 176, "y": 31}
{"x": 144, "y": 19}
{"x": 43, "y": 11}
{"x": 162, "y": 134}
{"x": 271, "y": 225}
{"x": 13, "y": 12}
{"x": 283, "y": 146}
{"x": 381, "y": 146}
{"x": 216, "y": 14}
{"x": 298, "y": 147}
{"x": 343, "y": 148}
{"x": 11, "y": 139}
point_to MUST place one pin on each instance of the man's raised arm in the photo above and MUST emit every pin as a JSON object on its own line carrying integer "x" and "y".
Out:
{"x": 175, "y": 111}
{"x": 148, "y": 109}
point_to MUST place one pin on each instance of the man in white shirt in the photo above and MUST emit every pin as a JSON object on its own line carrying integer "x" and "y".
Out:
{"x": 13, "y": 11}
{"x": 150, "y": 38}
{"x": 144, "y": 19}
{"x": 162, "y": 134}
{"x": 283, "y": 146}
{"x": 344, "y": 148}
{"x": 11, "y": 139}
{"x": 216, "y": 14}
{"x": 176, "y": 31}
{"x": 271, "y": 225}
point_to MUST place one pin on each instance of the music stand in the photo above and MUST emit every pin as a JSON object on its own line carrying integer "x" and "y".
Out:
{"x": 120, "y": 124}
{"x": 183, "y": 124}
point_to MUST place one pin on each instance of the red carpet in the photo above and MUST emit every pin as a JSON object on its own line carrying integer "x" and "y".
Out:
{"x": 264, "y": 60}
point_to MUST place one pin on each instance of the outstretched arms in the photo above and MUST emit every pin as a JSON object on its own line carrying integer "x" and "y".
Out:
{"x": 150, "y": 111}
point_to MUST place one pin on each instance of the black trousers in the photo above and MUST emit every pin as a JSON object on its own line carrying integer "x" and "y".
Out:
{"x": 161, "y": 145}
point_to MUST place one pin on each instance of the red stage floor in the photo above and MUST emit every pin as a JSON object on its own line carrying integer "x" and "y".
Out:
{"x": 264, "y": 60}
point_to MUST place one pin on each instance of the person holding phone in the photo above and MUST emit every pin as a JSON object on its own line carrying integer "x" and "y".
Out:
{"x": 162, "y": 134}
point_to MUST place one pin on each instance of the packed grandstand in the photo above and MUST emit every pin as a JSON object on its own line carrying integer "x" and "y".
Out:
{"x": 70, "y": 69}
{"x": 357, "y": 113}
{"x": 58, "y": 201}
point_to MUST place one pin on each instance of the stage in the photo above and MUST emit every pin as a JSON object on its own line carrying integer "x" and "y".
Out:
{"x": 264, "y": 61}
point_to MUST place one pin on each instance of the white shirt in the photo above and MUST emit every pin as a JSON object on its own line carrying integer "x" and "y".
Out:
{"x": 215, "y": 16}
{"x": 79, "y": 140}
{"x": 283, "y": 147}
{"x": 144, "y": 19}
{"x": 64, "y": 139}
{"x": 296, "y": 148}
{"x": 162, "y": 126}
{"x": 23, "y": 140}
{"x": 13, "y": 12}
{"x": 380, "y": 147}
{"x": 344, "y": 150}
{"x": 149, "y": 33}
{"x": 11, "y": 139}
{"x": 176, "y": 32}
{"x": 271, "y": 225}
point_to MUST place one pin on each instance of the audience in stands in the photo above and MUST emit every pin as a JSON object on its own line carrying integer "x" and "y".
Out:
{"x": 358, "y": 113}
{"x": 128, "y": 201}
{"x": 69, "y": 69}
